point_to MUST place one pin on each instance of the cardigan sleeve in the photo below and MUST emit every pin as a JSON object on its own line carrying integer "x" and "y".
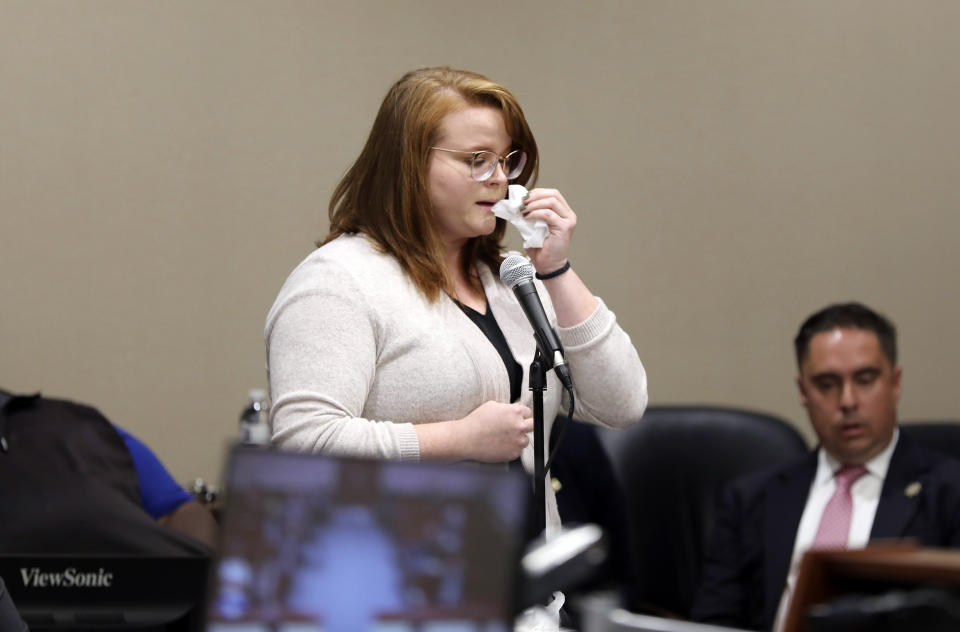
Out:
{"x": 609, "y": 380}
{"x": 321, "y": 342}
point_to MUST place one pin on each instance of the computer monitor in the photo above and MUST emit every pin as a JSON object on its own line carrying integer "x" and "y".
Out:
{"x": 312, "y": 542}
{"x": 107, "y": 592}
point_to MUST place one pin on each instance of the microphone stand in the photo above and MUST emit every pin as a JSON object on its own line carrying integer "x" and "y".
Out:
{"x": 538, "y": 384}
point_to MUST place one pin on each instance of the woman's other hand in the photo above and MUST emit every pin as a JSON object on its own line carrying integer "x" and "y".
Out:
{"x": 496, "y": 432}
{"x": 493, "y": 432}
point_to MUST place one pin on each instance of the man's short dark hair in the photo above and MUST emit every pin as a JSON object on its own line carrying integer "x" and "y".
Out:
{"x": 847, "y": 316}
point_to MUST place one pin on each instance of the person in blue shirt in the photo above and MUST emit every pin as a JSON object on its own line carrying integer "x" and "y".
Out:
{"x": 163, "y": 498}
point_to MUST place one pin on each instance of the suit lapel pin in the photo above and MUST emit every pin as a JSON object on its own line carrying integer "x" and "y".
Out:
{"x": 913, "y": 489}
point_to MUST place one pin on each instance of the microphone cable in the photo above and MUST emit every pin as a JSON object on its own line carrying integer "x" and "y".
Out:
{"x": 565, "y": 423}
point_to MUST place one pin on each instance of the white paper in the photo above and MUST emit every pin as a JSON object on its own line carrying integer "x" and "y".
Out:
{"x": 532, "y": 231}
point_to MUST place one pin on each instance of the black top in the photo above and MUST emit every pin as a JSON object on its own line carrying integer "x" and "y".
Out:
{"x": 488, "y": 325}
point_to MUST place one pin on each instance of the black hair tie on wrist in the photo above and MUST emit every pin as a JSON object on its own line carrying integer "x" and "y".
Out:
{"x": 555, "y": 273}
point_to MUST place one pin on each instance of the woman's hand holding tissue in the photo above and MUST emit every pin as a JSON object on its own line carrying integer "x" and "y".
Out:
{"x": 546, "y": 223}
{"x": 549, "y": 206}
{"x": 572, "y": 300}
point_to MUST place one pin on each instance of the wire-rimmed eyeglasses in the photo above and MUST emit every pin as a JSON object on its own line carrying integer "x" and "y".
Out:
{"x": 484, "y": 163}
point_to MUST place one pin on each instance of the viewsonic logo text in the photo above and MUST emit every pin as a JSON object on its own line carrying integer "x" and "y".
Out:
{"x": 67, "y": 578}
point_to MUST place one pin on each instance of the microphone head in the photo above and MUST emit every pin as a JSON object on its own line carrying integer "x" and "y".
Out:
{"x": 515, "y": 269}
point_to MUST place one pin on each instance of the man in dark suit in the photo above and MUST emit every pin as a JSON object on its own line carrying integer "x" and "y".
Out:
{"x": 866, "y": 481}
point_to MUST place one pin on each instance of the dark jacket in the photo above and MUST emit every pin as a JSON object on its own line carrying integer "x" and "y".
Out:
{"x": 746, "y": 565}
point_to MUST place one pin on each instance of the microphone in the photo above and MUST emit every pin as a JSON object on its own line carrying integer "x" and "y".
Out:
{"x": 517, "y": 274}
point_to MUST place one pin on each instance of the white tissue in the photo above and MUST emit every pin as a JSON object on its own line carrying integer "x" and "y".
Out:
{"x": 532, "y": 231}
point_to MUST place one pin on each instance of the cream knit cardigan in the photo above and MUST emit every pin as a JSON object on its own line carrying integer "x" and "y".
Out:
{"x": 356, "y": 355}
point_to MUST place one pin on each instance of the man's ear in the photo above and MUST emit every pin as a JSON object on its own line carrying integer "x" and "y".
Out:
{"x": 895, "y": 378}
{"x": 801, "y": 390}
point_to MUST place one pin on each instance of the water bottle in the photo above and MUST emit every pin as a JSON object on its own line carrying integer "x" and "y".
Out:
{"x": 255, "y": 419}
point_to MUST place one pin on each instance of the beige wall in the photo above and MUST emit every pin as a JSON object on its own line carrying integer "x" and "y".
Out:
{"x": 735, "y": 165}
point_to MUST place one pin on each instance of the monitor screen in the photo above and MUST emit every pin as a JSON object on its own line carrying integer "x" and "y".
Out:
{"x": 316, "y": 543}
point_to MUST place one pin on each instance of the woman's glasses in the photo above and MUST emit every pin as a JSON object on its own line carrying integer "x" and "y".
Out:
{"x": 484, "y": 163}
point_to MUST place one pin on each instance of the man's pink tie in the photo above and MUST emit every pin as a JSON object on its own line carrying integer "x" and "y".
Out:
{"x": 835, "y": 524}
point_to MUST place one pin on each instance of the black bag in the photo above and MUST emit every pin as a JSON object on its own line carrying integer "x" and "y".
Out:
{"x": 68, "y": 485}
